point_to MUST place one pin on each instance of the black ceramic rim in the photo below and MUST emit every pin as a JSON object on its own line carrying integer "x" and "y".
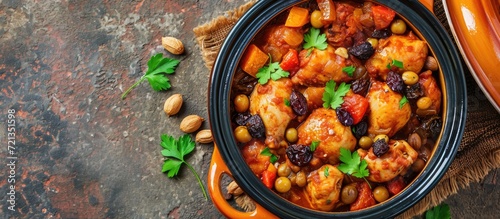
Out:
{"x": 455, "y": 111}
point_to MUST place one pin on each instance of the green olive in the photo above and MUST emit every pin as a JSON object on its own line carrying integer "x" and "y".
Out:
{"x": 291, "y": 135}
{"x": 380, "y": 193}
{"x": 241, "y": 103}
{"x": 284, "y": 170}
{"x": 365, "y": 142}
{"x": 373, "y": 42}
{"x": 418, "y": 165}
{"x": 410, "y": 78}
{"x": 316, "y": 17}
{"x": 242, "y": 135}
{"x": 398, "y": 26}
{"x": 381, "y": 136}
{"x": 424, "y": 103}
{"x": 282, "y": 184}
{"x": 359, "y": 72}
{"x": 301, "y": 179}
{"x": 349, "y": 193}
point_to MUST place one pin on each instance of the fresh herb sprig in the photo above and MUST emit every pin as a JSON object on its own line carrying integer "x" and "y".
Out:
{"x": 267, "y": 152}
{"x": 438, "y": 212}
{"x": 334, "y": 98}
{"x": 349, "y": 70}
{"x": 395, "y": 63}
{"x": 314, "y": 39}
{"x": 158, "y": 66}
{"x": 402, "y": 102}
{"x": 175, "y": 150}
{"x": 353, "y": 165}
{"x": 272, "y": 71}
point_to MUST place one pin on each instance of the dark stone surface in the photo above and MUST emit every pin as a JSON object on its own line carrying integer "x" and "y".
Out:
{"x": 85, "y": 153}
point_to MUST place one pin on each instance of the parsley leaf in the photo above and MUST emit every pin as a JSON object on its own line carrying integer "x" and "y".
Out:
{"x": 439, "y": 212}
{"x": 174, "y": 150}
{"x": 272, "y": 71}
{"x": 287, "y": 102}
{"x": 315, "y": 40}
{"x": 402, "y": 102}
{"x": 334, "y": 98}
{"x": 352, "y": 164}
{"x": 267, "y": 152}
{"x": 349, "y": 70}
{"x": 314, "y": 145}
{"x": 327, "y": 172}
{"x": 157, "y": 68}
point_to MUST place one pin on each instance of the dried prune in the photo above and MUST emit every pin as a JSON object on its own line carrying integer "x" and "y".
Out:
{"x": 395, "y": 82}
{"x": 381, "y": 33}
{"x": 380, "y": 147}
{"x": 298, "y": 103}
{"x": 299, "y": 154}
{"x": 361, "y": 85}
{"x": 360, "y": 129}
{"x": 241, "y": 118}
{"x": 414, "y": 91}
{"x": 344, "y": 117}
{"x": 362, "y": 51}
{"x": 256, "y": 127}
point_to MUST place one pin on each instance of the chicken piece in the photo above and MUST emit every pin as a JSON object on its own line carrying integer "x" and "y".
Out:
{"x": 385, "y": 114}
{"x": 256, "y": 161}
{"x": 395, "y": 161}
{"x": 268, "y": 101}
{"x": 409, "y": 50}
{"x": 323, "y": 126}
{"x": 431, "y": 89}
{"x": 323, "y": 190}
{"x": 319, "y": 67}
{"x": 314, "y": 97}
{"x": 277, "y": 40}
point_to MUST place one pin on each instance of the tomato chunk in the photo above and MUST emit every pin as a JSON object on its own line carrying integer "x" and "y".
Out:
{"x": 382, "y": 16}
{"x": 290, "y": 61}
{"x": 365, "y": 197}
{"x": 356, "y": 105}
{"x": 396, "y": 185}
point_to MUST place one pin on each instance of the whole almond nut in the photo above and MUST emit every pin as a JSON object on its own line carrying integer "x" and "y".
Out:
{"x": 431, "y": 64}
{"x": 204, "y": 136}
{"x": 191, "y": 123}
{"x": 173, "y": 45}
{"x": 173, "y": 104}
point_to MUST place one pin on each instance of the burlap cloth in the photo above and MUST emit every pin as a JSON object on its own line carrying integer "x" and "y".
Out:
{"x": 479, "y": 151}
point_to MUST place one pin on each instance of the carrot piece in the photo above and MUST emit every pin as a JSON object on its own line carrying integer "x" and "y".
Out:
{"x": 297, "y": 17}
{"x": 253, "y": 60}
{"x": 269, "y": 176}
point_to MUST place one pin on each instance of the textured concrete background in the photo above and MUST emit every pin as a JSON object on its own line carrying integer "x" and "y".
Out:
{"x": 85, "y": 153}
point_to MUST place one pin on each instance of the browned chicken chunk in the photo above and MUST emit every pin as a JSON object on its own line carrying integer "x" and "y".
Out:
{"x": 319, "y": 67}
{"x": 409, "y": 50}
{"x": 323, "y": 126}
{"x": 268, "y": 101}
{"x": 323, "y": 187}
{"x": 386, "y": 116}
{"x": 395, "y": 161}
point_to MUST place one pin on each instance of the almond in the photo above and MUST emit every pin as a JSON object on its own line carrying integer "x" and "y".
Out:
{"x": 191, "y": 123}
{"x": 173, "y": 104}
{"x": 173, "y": 45}
{"x": 204, "y": 136}
{"x": 431, "y": 64}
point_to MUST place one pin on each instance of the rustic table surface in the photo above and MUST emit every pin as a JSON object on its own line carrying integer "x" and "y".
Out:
{"x": 83, "y": 152}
